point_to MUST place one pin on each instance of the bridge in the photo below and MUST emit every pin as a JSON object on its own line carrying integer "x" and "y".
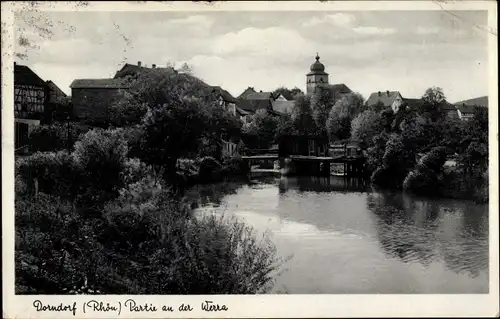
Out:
{"x": 320, "y": 164}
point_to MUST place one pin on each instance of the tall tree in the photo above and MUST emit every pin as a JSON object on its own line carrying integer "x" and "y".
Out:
{"x": 339, "y": 120}
{"x": 302, "y": 115}
{"x": 365, "y": 126}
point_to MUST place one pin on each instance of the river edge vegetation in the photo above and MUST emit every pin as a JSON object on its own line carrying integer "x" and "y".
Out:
{"x": 407, "y": 150}
{"x": 99, "y": 206}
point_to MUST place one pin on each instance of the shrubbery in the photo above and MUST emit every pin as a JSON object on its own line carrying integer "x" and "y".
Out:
{"x": 427, "y": 176}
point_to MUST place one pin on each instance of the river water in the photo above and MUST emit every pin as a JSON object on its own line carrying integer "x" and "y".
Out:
{"x": 344, "y": 237}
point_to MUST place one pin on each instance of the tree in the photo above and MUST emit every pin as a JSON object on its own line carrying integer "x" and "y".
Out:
{"x": 365, "y": 126}
{"x": 101, "y": 155}
{"x": 434, "y": 99}
{"x": 172, "y": 130}
{"x": 338, "y": 124}
{"x": 426, "y": 177}
{"x": 302, "y": 115}
{"x": 185, "y": 68}
{"x": 284, "y": 126}
{"x": 262, "y": 127}
{"x": 127, "y": 111}
{"x": 434, "y": 96}
{"x": 397, "y": 161}
{"x": 322, "y": 101}
{"x": 287, "y": 92}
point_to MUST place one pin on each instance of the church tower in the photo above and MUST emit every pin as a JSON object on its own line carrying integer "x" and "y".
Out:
{"x": 316, "y": 77}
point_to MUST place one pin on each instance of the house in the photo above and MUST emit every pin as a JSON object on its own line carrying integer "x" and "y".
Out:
{"x": 251, "y": 101}
{"x": 92, "y": 98}
{"x": 30, "y": 104}
{"x": 413, "y": 104}
{"x": 467, "y": 108}
{"x": 392, "y": 99}
{"x": 225, "y": 99}
{"x": 30, "y": 93}
{"x": 131, "y": 70}
{"x": 450, "y": 110}
{"x": 281, "y": 106}
{"x": 55, "y": 93}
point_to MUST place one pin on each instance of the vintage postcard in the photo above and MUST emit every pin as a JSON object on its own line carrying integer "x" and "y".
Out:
{"x": 249, "y": 159}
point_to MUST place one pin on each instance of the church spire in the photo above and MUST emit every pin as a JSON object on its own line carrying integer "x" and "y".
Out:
{"x": 317, "y": 56}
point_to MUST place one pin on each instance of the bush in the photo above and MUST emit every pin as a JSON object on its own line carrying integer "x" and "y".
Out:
{"x": 101, "y": 154}
{"x": 427, "y": 176}
{"x": 236, "y": 166}
{"x": 48, "y": 172}
{"x": 147, "y": 244}
{"x": 210, "y": 170}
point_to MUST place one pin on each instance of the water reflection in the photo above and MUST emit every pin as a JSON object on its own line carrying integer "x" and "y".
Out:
{"x": 420, "y": 230}
{"x": 347, "y": 237}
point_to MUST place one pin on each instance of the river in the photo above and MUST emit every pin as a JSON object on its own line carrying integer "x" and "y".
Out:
{"x": 344, "y": 237}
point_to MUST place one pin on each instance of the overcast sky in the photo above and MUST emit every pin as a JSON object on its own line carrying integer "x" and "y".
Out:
{"x": 370, "y": 51}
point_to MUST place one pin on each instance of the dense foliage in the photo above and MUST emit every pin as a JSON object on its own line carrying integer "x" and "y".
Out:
{"x": 104, "y": 215}
{"x": 394, "y": 142}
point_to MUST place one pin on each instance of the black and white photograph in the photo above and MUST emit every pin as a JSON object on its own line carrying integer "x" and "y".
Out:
{"x": 250, "y": 152}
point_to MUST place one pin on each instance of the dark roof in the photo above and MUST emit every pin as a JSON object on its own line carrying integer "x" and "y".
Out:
{"x": 467, "y": 108}
{"x": 413, "y": 103}
{"x": 127, "y": 69}
{"x": 242, "y": 112}
{"x": 281, "y": 106}
{"x": 259, "y": 96}
{"x": 448, "y": 106}
{"x": 254, "y": 104}
{"x": 384, "y": 97}
{"x": 225, "y": 94}
{"x": 287, "y": 95}
{"x": 478, "y": 101}
{"x": 54, "y": 88}
{"x": 23, "y": 75}
{"x": 98, "y": 84}
{"x": 340, "y": 88}
{"x": 246, "y": 92}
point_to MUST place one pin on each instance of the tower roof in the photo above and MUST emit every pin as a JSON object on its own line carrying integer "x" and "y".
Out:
{"x": 317, "y": 67}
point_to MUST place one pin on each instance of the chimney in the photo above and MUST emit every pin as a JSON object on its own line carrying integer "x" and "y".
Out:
{"x": 153, "y": 66}
{"x": 387, "y": 92}
{"x": 378, "y": 93}
{"x": 15, "y": 63}
{"x": 138, "y": 63}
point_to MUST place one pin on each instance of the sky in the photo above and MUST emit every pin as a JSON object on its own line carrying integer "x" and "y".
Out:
{"x": 369, "y": 51}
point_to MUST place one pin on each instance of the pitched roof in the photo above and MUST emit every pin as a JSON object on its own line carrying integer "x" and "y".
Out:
{"x": 246, "y": 92}
{"x": 448, "y": 106}
{"x": 287, "y": 95}
{"x": 340, "y": 88}
{"x": 254, "y": 104}
{"x": 478, "y": 101}
{"x": 281, "y": 106}
{"x": 259, "y": 96}
{"x": 242, "y": 112}
{"x": 54, "y": 88}
{"x": 127, "y": 69}
{"x": 98, "y": 84}
{"x": 413, "y": 103}
{"x": 386, "y": 98}
{"x": 23, "y": 75}
{"x": 225, "y": 94}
